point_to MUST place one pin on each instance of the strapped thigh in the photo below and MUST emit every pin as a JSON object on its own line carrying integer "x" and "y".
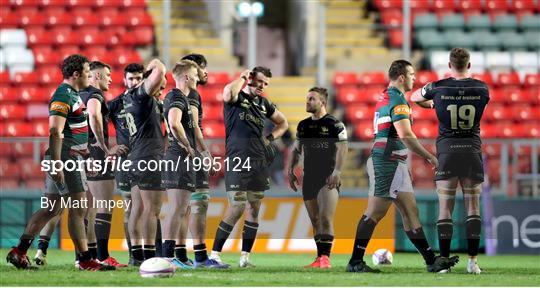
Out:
{"x": 447, "y": 188}
{"x": 237, "y": 197}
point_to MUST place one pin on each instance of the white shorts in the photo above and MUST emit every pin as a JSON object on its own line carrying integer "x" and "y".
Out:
{"x": 386, "y": 180}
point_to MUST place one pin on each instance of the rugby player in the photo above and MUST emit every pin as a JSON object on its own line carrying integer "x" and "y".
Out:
{"x": 143, "y": 118}
{"x": 459, "y": 102}
{"x": 68, "y": 140}
{"x": 101, "y": 183}
{"x": 196, "y": 215}
{"x": 179, "y": 180}
{"x": 245, "y": 110}
{"x": 389, "y": 178}
{"x": 323, "y": 141}
{"x": 133, "y": 74}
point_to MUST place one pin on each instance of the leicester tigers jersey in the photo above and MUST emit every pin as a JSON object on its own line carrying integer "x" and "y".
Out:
{"x": 66, "y": 103}
{"x": 391, "y": 107}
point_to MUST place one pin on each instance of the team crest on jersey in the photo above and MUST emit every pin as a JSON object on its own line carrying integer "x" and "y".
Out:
{"x": 402, "y": 110}
{"x": 324, "y": 130}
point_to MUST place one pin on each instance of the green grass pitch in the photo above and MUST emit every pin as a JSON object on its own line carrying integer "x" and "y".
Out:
{"x": 282, "y": 270}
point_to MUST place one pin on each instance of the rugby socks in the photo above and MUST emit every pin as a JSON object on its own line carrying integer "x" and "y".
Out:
{"x": 248, "y": 235}
{"x": 137, "y": 252}
{"x": 128, "y": 239}
{"x": 43, "y": 243}
{"x": 222, "y": 234}
{"x": 326, "y": 244}
{"x": 149, "y": 251}
{"x": 159, "y": 249}
{"x": 168, "y": 248}
{"x": 84, "y": 256}
{"x": 418, "y": 238}
{"x": 364, "y": 231}
{"x": 200, "y": 252}
{"x": 92, "y": 248}
{"x": 181, "y": 252}
{"x": 318, "y": 244}
{"x": 473, "y": 229}
{"x": 445, "y": 229}
{"x": 24, "y": 242}
{"x": 102, "y": 226}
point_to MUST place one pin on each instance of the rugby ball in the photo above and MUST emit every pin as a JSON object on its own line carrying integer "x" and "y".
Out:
{"x": 156, "y": 268}
{"x": 382, "y": 257}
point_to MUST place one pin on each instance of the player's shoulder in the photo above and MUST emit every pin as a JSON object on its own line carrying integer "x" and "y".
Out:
{"x": 396, "y": 97}
{"x": 331, "y": 119}
{"x": 64, "y": 93}
{"x": 194, "y": 94}
{"x": 304, "y": 122}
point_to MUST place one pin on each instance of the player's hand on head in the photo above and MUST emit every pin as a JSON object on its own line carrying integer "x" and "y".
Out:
{"x": 245, "y": 74}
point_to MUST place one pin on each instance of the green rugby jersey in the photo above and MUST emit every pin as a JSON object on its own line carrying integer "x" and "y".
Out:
{"x": 66, "y": 102}
{"x": 392, "y": 107}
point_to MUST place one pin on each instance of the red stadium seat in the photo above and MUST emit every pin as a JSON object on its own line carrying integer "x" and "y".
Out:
{"x": 496, "y": 112}
{"x": 137, "y": 19}
{"x": 9, "y": 170}
{"x": 356, "y": 113}
{"x": 9, "y": 19}
{"x": 9, "y": 95}
{"x": 508, "y": 79}
{"x": 507, "y": 129}
{"x": 45, "y": 56}
{"x": 23, "y": 78}
{"x": 32, "y": 17}
{"x": 84, "y": 17}
{"x": 523, "y": 5}
{"x": 524, "y": 112}
{"x": 34, "y": 94}
{"x": 468, "y": 5}
{"x": 425, "y": 129}
{"x": 388, "y": 4}
{"x": 496, "y": 5}
{"x": 424, "y": 77}
{"x": 65, "y": 36}
{"x": 515, "y": 95}
{"x": 16, "y": 129}
{"x": 347, "y": 95}
{"x": 127, "y": 56}
{"x": 57, "y": 16}
{"x": 492, "y": 150}
{"x": 49, "y": 76}
{"x": 214, "y": 130}
{"x": 38, "y": 36}
{"x": 372, "y": 78}
{"x": 530, "y": 130}
{"x": 341, "y": 78}
{"x": 30, "y": 169}
{"x": 211, "y": 95}
{"x": 19, "y": 149}
{"x": 142, "y": 35}
{"x": 218, "y": 78}
{"x": 213, "y": 113}
{"x": 364, "y": 130}
{"x": 13, "y": 112}
{"x": 108, "y": 16}
{"x": 370, "y": 95}
{"x": 488, "y": 131}
{"x": 392, "y": 17}
{"x": 440, "y": 5}
{"x": 485, "y": 77}
{"x": 395, "y": 38}
{"x": 95, "y": 52}
{"x": 52, "y": 3}
{"x": 419, "y": 113}
{"x": 422, "y": 5}
{"x": 35, "y": 183}
{"x": 532, "y": 80}
{"x": 497, "y": 96}
{"x": 133, "y": 3}
{"x": 4, "y": 77}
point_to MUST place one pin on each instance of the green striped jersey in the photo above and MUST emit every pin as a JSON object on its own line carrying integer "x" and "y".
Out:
{"x": 66, "y": 102}
{"x": 391, "y": 107}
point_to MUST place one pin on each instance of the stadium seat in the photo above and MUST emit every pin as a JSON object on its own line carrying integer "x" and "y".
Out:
{"x": 420, "y": 5}
{"x": 392, "y": 17}
{"x": 84, "y": 17}
{"x": 486, "y": 41}
{"x": 16, "y": 129}
{"x": 530, "y": 130}
{"x": 452, "y": 21}
{"x": 419, "y": 113}
{"x": 9, "y": 170}
{"x": 507, "y": 129}
{"x": 213, "y": 113}
{"x": 218, "y": 78}
{"x": 13, "y": 112}
{"x": 38, "y": 36}
{"x": 133, "y": 3}
{"x": 523, "y": 5}
{"x": 65, "y": 36}
{"x": 488, "y": 131}
{"x": 484, "y": 77}
{"x": 425, "y": 129}
{"x": 532, "y": 80}
{"x": 48, "y": 76}
{"x": 57, "y": 16}
{"x": 530, "y": 22}
{"x": 496, "y": 5}
{"x": 495, "y": 112}
{"x": 498, "y": 61}
{"x": 395, "y": 38}
{"x": 33, "y": 94}
{"x": 468, "y": 5}
{"x": 347, "y": 95}
{"x": 341, "y": 78}
{"x": 108, "y": 17}
{"x": 525, "y": 62}
{"x": 9, "y": 95}
{"x": 212, "y": 95}
{"x": 214, "y": 130}
{"x": 505, "y": 22}
{"x": 425, "y": 21}
{"x": 40, "y": 128}
{"x": 138, "y": 20}
{"x": 443, "y": 5}
{"x": 508, "y": 79}
{"x": 388, "y": 4}
{"x": 30, "y": 169}
{"x": 372, "y": 78}
{"x": 460, "y": 39}
{"x": 370, "y": 95}
{"x": 25, "y": 78}
{"x": 46, "y": 56}
{"x": 431, "y": 40}
{"x": 96, "y": 53}
{"x": 524, "y": 112}
{"x": 144, "y": 35}
{"x": 359, "y": 112}
{"x": 478, "y": 22}
{"x": 364, "y": 130}
{"x": 513, "y": 41}
{"x": 531, "y": 38}
{"x": 497, "y": 96}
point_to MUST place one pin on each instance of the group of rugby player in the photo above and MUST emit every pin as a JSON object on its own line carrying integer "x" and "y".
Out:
{"x": 137, "y": 115}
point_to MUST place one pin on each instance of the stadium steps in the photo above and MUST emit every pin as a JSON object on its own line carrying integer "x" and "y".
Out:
{"x": 192, "y": 32}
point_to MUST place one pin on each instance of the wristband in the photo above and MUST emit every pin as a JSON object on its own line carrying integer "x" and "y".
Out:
{"x": 270, "y": 137}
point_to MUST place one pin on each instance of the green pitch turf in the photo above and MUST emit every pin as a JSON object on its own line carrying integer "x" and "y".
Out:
{"x": 282, "y": 270}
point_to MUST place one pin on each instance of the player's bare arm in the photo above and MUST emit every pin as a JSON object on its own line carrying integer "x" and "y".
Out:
{"x": 96, "y": 123}
{"x": 405, "y": 133}
{"x": 231, "y": 90}
{"x": 177, "y": 130}
{"x": 56, "y": 126}
{"x": 199, "y": 137}
{"x": 281, "y": 124}
{"x": 334, "y": 179}
{"x": 296, "y": 153}
{"x": 417, "y": 98}
{"x": 153, "y": 83}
